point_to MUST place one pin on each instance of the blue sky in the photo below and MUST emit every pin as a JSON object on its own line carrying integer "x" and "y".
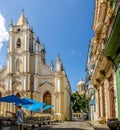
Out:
{"x": 64, "y": 26}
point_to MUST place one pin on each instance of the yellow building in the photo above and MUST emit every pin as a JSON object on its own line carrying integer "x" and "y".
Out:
{"x": 103, "y": 75}
{"x": 27, "y": 74}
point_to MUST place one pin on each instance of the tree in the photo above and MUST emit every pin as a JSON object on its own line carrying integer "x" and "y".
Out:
{"x": 79, "y": 102}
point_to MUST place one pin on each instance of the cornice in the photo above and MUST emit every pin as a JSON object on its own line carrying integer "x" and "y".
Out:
{"x": 99, "y": 13}
{"x": 101, "y": 70}
{"x": 95, "y": 13}
{"x": 18, "y": 53}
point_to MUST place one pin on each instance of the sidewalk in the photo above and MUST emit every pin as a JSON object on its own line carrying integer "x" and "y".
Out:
{"x": 98, "y": 126}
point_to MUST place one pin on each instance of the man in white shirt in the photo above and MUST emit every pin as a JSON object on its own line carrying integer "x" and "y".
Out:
{"x": 20, "y": 115}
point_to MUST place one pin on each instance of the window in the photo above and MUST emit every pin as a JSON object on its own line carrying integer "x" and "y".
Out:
{"x": 18, "y": 30}
{"x": 18, "y": 45}
{"x": 17, "y": 65}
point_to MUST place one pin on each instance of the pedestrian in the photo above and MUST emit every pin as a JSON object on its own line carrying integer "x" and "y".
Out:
{"x": 20, "y": 117}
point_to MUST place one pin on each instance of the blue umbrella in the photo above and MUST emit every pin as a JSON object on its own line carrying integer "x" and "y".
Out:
{"x": 13, "y": 99}
{"x": 36, "y": 105}
{"x": 30, "y": 100}
{"x": 47, "y": 107}
{"x": 27, "y": 102}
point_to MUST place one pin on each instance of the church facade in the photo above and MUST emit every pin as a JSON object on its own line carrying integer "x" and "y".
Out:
{"x": 28, "y": 75}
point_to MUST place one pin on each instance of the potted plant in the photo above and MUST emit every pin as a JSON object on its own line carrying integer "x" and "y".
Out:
{"x": 113, "y": 123}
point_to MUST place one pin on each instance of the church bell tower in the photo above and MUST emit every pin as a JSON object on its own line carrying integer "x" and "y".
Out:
{"x": 20, "y": 46}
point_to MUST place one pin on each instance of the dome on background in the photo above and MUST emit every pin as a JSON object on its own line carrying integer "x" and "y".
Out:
{"x": 81, "y": 82}
{"x": 81, "y": 87}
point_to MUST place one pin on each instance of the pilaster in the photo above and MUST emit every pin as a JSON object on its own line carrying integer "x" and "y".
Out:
{"x": 36, "y": 82}
{"x": 36, "y": 64}
{"x": 118, "y": 89}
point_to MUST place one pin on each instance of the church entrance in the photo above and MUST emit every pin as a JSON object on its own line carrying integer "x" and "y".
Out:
{"x": 47, "y": 100}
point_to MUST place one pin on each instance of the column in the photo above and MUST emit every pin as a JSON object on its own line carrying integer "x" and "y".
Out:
{"x": 99, "y": 105}
{"x": 57, "y": 84}
{"x": 24, "y": 62}
{"x": 10, "y": 81}
{"x": 36, "y": 64}
{"x": 28, "y": 62}
{"x": 10, "y": 43}
{"x": 24, "y": 82}
{"x": 35, "y": 83}
{"x": 25, "y": 41}
{"x": 10, "y": 64}
{"x": 28, "y": 84}
{"x": 107, "y": 99}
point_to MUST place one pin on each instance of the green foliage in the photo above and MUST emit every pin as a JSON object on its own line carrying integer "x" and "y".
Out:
{"x": 112, "y": 3}
{"x": 79, "y": 102}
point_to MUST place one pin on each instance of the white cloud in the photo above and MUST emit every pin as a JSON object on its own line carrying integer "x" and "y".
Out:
{"x": 3, "y": 31}
{"x": 73, "y": 52}
{"x": 77, "y": 53}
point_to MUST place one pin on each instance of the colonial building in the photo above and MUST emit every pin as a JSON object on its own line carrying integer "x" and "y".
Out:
{"x": 28, "y": 75}
{"x": 112, "y": 49}
{"x": 90, "y": 94}
{"x": 103, "y": 76}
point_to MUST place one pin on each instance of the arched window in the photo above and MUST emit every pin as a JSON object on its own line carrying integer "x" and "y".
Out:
{"x": 47, "y": 100}
{"x": 17, "y": 65}
{"x": 18, "y": 44}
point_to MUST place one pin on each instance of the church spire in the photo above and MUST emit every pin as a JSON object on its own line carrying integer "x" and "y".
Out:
{"x": 43, "y": 53}
{"x": 21, "y": 19}
{"x": 58, "y": 57}
{"x": 11, "y": 22}
{"x": 11, "y": 25}
{"x": 38, "y": 40}
{"x": 59, "y": 66}
{"x": 51, "y": 65}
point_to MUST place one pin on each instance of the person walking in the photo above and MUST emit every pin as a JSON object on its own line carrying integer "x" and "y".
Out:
{"x": 20, "y": 117}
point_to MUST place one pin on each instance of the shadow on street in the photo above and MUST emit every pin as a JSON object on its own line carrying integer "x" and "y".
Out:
{"x": 66, "y": 129}
{"x": 47, "y": 128}
{"x": 101, "y": 129}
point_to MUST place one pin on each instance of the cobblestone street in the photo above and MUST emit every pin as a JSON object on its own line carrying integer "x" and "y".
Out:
{"x": 73, "y": 125}
{"x": 67, "y": 125}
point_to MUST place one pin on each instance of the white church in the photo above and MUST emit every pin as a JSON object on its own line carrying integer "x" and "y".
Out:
{"x": 27, "y": 74}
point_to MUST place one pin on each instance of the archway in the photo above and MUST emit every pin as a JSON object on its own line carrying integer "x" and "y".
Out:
{"x": 47, "y": 100}
{"x": 18, "y": 44}
{"x": 18, "y": 95}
